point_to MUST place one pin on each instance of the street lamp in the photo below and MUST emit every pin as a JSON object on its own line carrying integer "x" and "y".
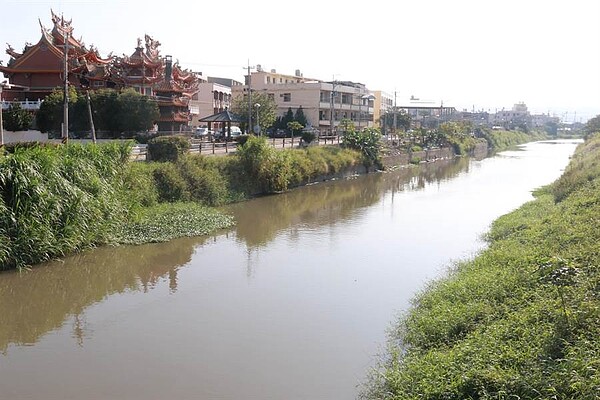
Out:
{"x": 367, "y": 97}
{"x": 257, "y": 126}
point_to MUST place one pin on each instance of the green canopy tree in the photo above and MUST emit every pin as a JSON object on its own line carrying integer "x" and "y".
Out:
{"x": 49, "y": 117}
{"x": 592, "y": 126}
{"x": 136, "y": 111}
{"x": 266, "y": 111}
{"x": 402, "y": 120}
{"x": 16, "y": 118}
{"x": 300, "y": 117}
{"x": 295, "y": 127}
{"x": 287, "y": 118}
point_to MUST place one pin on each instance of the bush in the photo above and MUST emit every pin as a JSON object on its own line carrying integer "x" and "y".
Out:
{"x": 267, "y": 170}
{"x": 308, "y": 136}
{"x": 167, "y": 148}
{"x": 242, "y": 139}
{"x": 141, "y": 190}
{"x": 170, "y": 184}
{"x": 204, "y": 183}
{"x": 16, "y": 118}
{"x": 367, "y": 141}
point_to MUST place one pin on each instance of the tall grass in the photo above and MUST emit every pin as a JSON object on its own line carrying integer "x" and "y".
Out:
{"x": 56, "y": 200}
{"x": 522, "y": 320}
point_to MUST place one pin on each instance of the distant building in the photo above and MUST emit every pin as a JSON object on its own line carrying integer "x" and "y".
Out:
{"x": 324, "y": 103}
{"x": 518, "y": 115}
{"x": 211, "y": 98}
{"x": 427, "y": 114}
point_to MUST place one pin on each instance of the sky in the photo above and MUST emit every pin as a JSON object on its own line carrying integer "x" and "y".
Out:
{"x": 469, "y": 54}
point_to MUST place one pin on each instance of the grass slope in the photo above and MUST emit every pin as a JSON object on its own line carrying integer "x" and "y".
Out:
{"x": 520, "y": 321}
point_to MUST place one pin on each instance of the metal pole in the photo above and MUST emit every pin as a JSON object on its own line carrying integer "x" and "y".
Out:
{"x": 249, "y": 100}
{"x": 331, "y": 121}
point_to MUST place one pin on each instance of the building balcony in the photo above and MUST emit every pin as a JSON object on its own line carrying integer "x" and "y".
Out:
{"x": 25, "y": 105}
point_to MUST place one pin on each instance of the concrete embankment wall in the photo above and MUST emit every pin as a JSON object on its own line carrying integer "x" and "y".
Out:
{"x": 24, "y": 136}
{"x": 398, "y": 160}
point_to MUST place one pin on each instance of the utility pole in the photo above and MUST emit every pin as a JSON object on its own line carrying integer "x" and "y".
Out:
{"x": 65, "y": 132}
{"x": 331, "y": 101}
{"x": 89, "y": 104}
{"x": 249, "y": 99}
{"x": 395, "y": 111}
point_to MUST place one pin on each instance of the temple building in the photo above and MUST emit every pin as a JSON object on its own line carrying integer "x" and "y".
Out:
{"x": 39, "y": 69}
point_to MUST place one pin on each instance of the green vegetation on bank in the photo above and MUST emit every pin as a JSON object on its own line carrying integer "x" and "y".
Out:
{"x": 521, "y": 320}
{"x": 500, "y": 139}
{"x": 56, "y": 200}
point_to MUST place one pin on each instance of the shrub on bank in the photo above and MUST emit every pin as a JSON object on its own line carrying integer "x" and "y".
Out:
{"x": 167, "y": 148}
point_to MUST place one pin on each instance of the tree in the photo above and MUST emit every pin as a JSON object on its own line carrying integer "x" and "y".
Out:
{"x": 367, "y": 141}
{"x": 300, "y": 117}
{"x": 127, "y": 111}
{"x": 49, "y": 117}
{"x": 136, "y": 111}
{"x": 287, "y": 118}
{"x": 105, "y": 109}
{"x": 592, "y": 126}
{"x": 294, "y": 127}
{"x": 16, "y": 119}
{"x": 266, "y": 111}
{"x": 551, "y": 128}
{"x": 402, "y": 119}
{"x": 346, "y": 126}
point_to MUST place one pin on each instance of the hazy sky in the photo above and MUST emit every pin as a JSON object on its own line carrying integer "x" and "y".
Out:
{"x": 466, "y": 53}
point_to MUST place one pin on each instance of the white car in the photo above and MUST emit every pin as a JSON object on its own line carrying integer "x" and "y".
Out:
{"x": 202, "y": 132}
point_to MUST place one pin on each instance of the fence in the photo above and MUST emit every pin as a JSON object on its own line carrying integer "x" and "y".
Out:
{"x": 205, "y": 147}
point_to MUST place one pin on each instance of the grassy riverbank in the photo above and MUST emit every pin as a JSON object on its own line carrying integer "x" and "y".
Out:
{"x": 522, "y": 320}
{"x": 56, "y": 200}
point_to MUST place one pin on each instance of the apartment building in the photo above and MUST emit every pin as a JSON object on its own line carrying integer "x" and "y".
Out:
{"x": 211, "y": 98}
{"x": 324, "y": 103}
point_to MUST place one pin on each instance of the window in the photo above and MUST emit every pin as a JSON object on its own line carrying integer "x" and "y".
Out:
{"x": 98, "y": 83}
{"x": 287, "y": 97}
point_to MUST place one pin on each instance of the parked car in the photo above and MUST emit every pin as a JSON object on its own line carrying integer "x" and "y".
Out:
{"x": 235, "y": 133}
{"x": 202, "y": 132}
{"x": 278, "y": 133}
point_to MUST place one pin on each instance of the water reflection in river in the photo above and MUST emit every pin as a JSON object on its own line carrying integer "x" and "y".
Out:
{"x": 292, "y": 303}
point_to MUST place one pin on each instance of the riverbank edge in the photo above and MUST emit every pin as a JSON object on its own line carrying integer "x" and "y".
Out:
{"x": 159, "y": 215}
{"x": 519, "y": 320}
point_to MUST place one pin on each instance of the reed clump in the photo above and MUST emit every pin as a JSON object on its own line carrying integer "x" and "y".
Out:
{"x": 56, "y": 200}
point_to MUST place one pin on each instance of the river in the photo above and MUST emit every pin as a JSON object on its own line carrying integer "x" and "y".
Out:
{"x": 292, "y": 303}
